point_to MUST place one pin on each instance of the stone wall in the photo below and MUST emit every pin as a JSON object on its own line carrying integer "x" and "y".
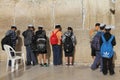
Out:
{"x": 80, "y": 14}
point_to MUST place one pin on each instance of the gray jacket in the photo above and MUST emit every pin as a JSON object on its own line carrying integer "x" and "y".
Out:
{"x": 68, "y": 33}
{"x": 28, "y": 35}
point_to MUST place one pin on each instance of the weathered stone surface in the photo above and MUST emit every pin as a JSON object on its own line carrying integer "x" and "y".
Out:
{"x": 80, "y": 15}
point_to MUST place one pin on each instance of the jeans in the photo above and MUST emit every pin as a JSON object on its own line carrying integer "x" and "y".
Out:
{"x": 57, "y": 54}
{"x": 97, "y": 61}
{"x": 30, "y": 55}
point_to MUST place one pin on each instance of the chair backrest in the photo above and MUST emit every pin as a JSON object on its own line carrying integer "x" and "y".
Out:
{"x": 8, "y": 50}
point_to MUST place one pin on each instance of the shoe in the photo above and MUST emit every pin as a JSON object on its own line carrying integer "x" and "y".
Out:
{"x": 66, "y": 64}
{"x": 112, "y": 73}
{"x": 71, "y": 64}
{"x": 104, "y": 73}
{"x": 28, "y": 63}
{"x": 41, "y": 65}
{"x": 34, "y": 64}
{"x": 45, "y": 64}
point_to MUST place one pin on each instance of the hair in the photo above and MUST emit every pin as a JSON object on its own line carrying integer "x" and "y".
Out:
{"x": 70, "y": 28}
{"x": 14, "y": 27}
{"x": 40, "y": 28}
{"x": 29, "y": 27}
{"x": 108, "y": 30}
{"x": 97, "y": 24}
{"x": 57, "y": 26}
{"x": 33, "y": 28}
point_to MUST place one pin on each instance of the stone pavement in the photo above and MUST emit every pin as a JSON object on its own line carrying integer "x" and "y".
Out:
{"x": 77, "y": 72}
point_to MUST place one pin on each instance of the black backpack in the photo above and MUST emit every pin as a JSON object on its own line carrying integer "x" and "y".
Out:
{"x": 6, "y": 40}
{"x": 41, "y": 42}
{"x": 68, "y": 44}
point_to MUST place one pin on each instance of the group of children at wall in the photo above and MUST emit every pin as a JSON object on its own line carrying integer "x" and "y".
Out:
{"x": 101, "y": 40}
{"x": 36, "y": 42}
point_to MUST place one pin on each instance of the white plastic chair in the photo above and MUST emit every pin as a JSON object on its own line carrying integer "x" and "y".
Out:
{"x": 14, "y": 59}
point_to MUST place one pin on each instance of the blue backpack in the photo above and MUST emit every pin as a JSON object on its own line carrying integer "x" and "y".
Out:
{"x": 107, "y": 48}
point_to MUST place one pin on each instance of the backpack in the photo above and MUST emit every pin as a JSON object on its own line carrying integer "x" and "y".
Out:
{"x": 68, "y": 44}
{"x": 95, "y": 44}
{"x": 41, "y": 42}
{"x": 6, "y": 40}
{"x": 107, "y": 48}
{"x": 53, "y": 38}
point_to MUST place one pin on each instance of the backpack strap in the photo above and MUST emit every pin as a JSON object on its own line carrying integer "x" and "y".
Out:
{"x": 110, "y": 40}
{"x": 103, "y": 38}
{"x": 55, "y": 32}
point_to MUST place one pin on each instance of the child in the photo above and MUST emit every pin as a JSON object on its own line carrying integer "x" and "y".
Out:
{"x": 69, "y": 42}
{"x": 106, "y": 57}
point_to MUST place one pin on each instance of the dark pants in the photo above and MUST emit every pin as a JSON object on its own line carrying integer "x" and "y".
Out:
{"x": 30, "y": 55}
{"x": 93, "y": 52}
{"x": 108, "y": 65}
{"x": 57, "y": 54}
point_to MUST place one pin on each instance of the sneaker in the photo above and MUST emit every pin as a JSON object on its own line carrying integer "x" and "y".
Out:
{"x": 41, "y": 65}
{"x": 71, "y": 64}
{"x": 66, "y": 64}
{"x": 45, "y": 64}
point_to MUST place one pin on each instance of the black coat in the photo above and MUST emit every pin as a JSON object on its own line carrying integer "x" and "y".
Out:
{"x": 107, "y": 36}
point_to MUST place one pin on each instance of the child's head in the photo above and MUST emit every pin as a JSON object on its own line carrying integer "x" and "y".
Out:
{"x": 69, "y": 29}
{"x": 108, "y": 28}
{"x": 102, "y": 26}
{"x": 97, "y": 25}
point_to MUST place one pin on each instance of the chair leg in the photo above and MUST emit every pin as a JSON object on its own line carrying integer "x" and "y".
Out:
{"x": 13, "y": 65}
{"x": 7, "y": 65}
{"x": 21, "y": 62}
{"x": 16, "y": 65}
{"x": 24, "y": 64}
